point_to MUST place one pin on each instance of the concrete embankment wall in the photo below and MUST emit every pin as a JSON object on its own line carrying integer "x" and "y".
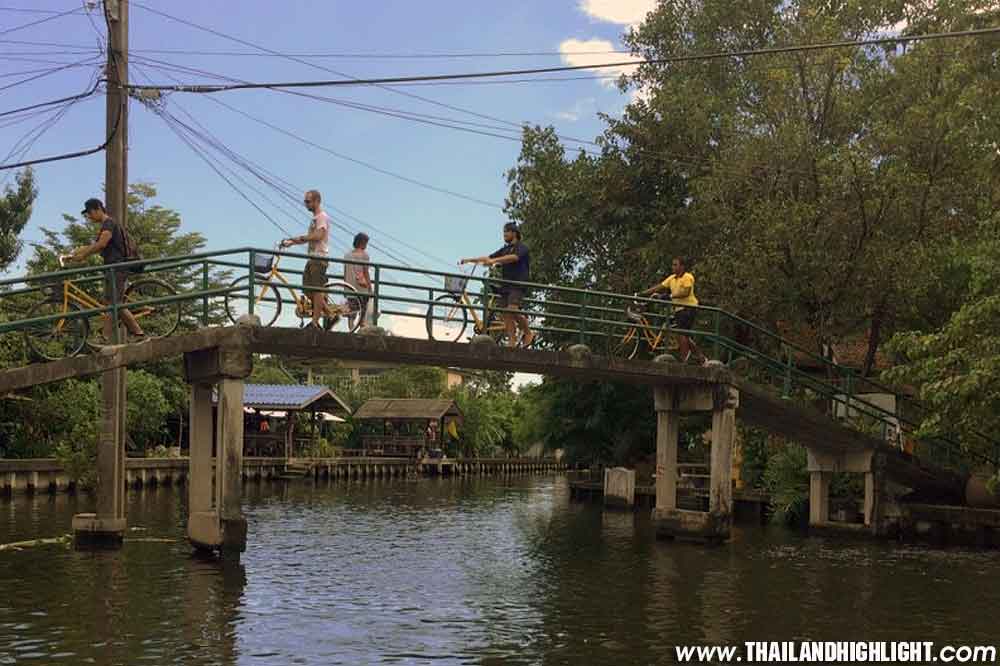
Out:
{"x": 47, "y": 475}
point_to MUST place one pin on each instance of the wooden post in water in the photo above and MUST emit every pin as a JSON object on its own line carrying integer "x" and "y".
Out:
{"x": 106, "y": 528}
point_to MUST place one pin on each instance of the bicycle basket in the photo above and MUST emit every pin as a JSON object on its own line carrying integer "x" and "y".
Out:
{"x": 263, "y": 263}
{"x": 455, "y": 283}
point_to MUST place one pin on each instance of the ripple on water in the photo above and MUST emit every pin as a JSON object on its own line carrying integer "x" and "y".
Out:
{"x": 454, "y": 572}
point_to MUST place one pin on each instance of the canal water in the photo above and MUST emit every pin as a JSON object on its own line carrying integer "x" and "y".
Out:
{"x": 459, "y": 571}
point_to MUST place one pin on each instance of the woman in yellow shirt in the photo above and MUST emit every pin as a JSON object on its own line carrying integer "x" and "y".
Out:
{"x": 680, "y": 286}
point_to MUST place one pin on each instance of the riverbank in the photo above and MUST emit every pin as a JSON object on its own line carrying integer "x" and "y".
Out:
{"x": 47, "y": 475}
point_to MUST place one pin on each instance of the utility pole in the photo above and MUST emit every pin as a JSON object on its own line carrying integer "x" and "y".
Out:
{"x": 107, "y": 526}
{"x": 116, "y": 155}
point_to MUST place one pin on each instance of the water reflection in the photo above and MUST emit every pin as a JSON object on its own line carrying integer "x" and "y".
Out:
{"x": 457, "y": 571}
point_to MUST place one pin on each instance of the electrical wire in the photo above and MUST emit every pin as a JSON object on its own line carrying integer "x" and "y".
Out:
{"x": 519, "y": 126}
{"x": 206, "y": 88}
{"x": 453, "y": 124}
{"x": 66, "y": 156}
{"x": 385, "y": 56}
{"x": 29, "y": 11}
{"x": 366, "y": 164}
{"x": 40, "y": 21}
{"x": 49, "y": 72}
{"x": 87, "y": 93}
{"x": 258, "y": 47}
{"x": 284, "y": 188}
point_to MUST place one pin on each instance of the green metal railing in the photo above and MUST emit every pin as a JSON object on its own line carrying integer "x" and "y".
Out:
{"x": 206, "y": 285}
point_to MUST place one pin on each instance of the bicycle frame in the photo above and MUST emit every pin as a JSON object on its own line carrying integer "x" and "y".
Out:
{"x": 655, "y": 342}
{"x": 478, "y": 324}
{"x": 71, "y": 293}
{"x": 275, "y": 274}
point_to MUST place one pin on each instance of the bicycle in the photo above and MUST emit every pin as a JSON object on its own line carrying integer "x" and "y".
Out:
{"x": 267, "y": 303}
{"x": 61, "y": 338}
{"x": 642, "y": 330}
{"x": 448, "y": 315}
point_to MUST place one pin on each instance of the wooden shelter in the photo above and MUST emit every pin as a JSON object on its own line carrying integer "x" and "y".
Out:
{"x": 405, "y": 426}
{"x": 271, "y": 412}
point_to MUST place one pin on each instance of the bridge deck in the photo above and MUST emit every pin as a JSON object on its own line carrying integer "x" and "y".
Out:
{"x": 758, "y": 405}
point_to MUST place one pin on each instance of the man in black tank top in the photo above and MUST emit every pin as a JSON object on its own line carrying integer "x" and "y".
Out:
{"x": 110, "y": 243}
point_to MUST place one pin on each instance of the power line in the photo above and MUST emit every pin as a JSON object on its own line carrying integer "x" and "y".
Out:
{"x": 87, "y": 93}
{"x": 29, "y": 11}
{"x": 289, "y": 191}
{"x": 452, "y": 123}
{"x": 29, "y": 42}
{"x": 205, "y": 88}
{"x": 382, "y": 56}
{"x": 64, "y": 156}
{"x": 40, "y": 21}
{"x": 680, "y": 159}
{"x": 49, "y": 72}
{"x": 37, "y": 61}
{"x": 258, "y": 47}
{"x": 354, "y": 160}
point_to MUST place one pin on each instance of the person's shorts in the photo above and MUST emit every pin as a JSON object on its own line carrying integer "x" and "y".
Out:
{"x": 685, "y": 318}
{"x": 510, "y": 297}
{"x": 314, "y": 275}
{"x": 120, "y": 281}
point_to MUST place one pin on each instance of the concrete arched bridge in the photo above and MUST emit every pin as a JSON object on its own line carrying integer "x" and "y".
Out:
{"x": 755, "y": 378}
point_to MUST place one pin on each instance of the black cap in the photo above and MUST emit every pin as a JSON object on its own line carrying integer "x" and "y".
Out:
{"x": 91, "y": 204}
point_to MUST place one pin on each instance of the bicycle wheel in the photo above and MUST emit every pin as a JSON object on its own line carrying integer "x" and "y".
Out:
{"x": 267, "y": 305}
{"x": 344, "y": 300}
{"x": 158, "y": 320}
{"x": 626, "y": 346}
{"x": 59, "y": 338}
{"x": 446, "y": 319}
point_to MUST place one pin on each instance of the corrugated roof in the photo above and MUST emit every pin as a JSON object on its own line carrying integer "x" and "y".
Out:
{"x": 409, "y": 408}
{"x": 292, "y": 396}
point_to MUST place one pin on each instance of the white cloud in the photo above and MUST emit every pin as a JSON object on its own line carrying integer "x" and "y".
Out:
{"x": 579, "y": 52}
{"x": 622, "y": 12}
{"x": 404, "y": 326}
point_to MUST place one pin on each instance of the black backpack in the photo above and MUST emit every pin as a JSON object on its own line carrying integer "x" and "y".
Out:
{"x": 131, "y": 250}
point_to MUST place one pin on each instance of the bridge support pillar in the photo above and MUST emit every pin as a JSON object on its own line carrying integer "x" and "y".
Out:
{"x": 822, "y": 466}
{"x": 106, "y": 527}
{"x": 671, "y": 403}
{"x": 216, "y": 519}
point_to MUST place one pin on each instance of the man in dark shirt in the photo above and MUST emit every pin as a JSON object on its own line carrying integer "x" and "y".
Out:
{"x": 110, "y": 243}
{"x": 514, "y": 261}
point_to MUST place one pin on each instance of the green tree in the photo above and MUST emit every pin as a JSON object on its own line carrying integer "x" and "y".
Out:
{"x": 16, "y": 205}
{"x": 812, "y": 187}
{"x": 956, "y": 368}
{"x": 486, "y": 421}
{"x": 593, "y": 422}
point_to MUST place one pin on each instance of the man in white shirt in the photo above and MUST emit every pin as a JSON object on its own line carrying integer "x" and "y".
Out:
{"x": 318, "y": 239}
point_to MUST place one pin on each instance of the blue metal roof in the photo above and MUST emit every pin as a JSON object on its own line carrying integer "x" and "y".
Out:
{"x": 289, "y": 396}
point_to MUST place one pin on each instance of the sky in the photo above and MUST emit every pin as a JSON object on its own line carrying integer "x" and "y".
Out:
{"x": 427, "y": 228}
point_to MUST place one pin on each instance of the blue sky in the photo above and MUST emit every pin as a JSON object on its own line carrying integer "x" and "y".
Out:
{"x": 440, "y": 225}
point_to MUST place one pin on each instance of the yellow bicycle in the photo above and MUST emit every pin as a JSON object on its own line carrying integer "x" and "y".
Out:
{"x": 448, "y": 315}
{"x": 64, "y": 337}
{"x": 267, "y": 302}
{"x": 657, "y": 339}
